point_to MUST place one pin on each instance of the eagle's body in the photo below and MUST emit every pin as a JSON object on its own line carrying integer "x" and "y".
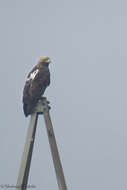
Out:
{"x": 37, "y": 81}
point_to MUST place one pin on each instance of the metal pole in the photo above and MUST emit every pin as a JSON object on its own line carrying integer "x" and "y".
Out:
{"x": 27, "y": 154}
{"x": 54, "y": 150}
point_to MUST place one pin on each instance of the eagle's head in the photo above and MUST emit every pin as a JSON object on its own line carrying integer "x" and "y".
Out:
{"x": 44, "y": 60}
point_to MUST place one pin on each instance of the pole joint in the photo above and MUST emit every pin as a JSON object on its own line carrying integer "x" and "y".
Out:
{"x": 42, "y": 106}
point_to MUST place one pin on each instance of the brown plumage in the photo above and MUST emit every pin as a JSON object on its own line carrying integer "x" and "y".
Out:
{"x": 37, "y": 81}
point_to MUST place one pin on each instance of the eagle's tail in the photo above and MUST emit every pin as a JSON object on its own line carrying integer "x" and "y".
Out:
{"x": 28, "y": 109}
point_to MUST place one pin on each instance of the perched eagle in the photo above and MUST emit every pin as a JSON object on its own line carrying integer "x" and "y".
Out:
{"x": 37, "y": 81}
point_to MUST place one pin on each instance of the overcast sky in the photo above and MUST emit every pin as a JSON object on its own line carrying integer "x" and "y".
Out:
{"x": 87, "y": 42}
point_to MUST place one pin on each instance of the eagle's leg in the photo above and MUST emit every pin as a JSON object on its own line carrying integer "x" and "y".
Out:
{"x": 44, "y": 98}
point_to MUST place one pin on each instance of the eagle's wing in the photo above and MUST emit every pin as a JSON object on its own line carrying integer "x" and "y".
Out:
{"x": 37, "y": 81}
{"x": 26, "y": 96}
{"x": 40, "y": 79}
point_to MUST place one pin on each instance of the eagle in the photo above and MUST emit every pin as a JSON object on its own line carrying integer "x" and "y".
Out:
{"x": 37, "y": 81}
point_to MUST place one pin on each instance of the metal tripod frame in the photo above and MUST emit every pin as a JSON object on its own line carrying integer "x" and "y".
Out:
{"x": 22, "y": 182}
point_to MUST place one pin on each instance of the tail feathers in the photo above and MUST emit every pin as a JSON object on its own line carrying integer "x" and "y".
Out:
{"x": 28, "y": 109}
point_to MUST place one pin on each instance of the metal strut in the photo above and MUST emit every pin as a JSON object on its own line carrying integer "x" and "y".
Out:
{"x": 41, "y": 108}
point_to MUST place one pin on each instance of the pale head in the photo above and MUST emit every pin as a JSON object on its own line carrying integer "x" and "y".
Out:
{"x": 44, "y": 59}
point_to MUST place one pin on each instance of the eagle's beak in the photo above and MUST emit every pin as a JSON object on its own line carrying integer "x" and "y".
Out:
{"x": 49, "y": 60}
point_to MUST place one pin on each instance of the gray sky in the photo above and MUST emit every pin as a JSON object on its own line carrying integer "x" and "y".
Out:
{"x": 87, "y": 42}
